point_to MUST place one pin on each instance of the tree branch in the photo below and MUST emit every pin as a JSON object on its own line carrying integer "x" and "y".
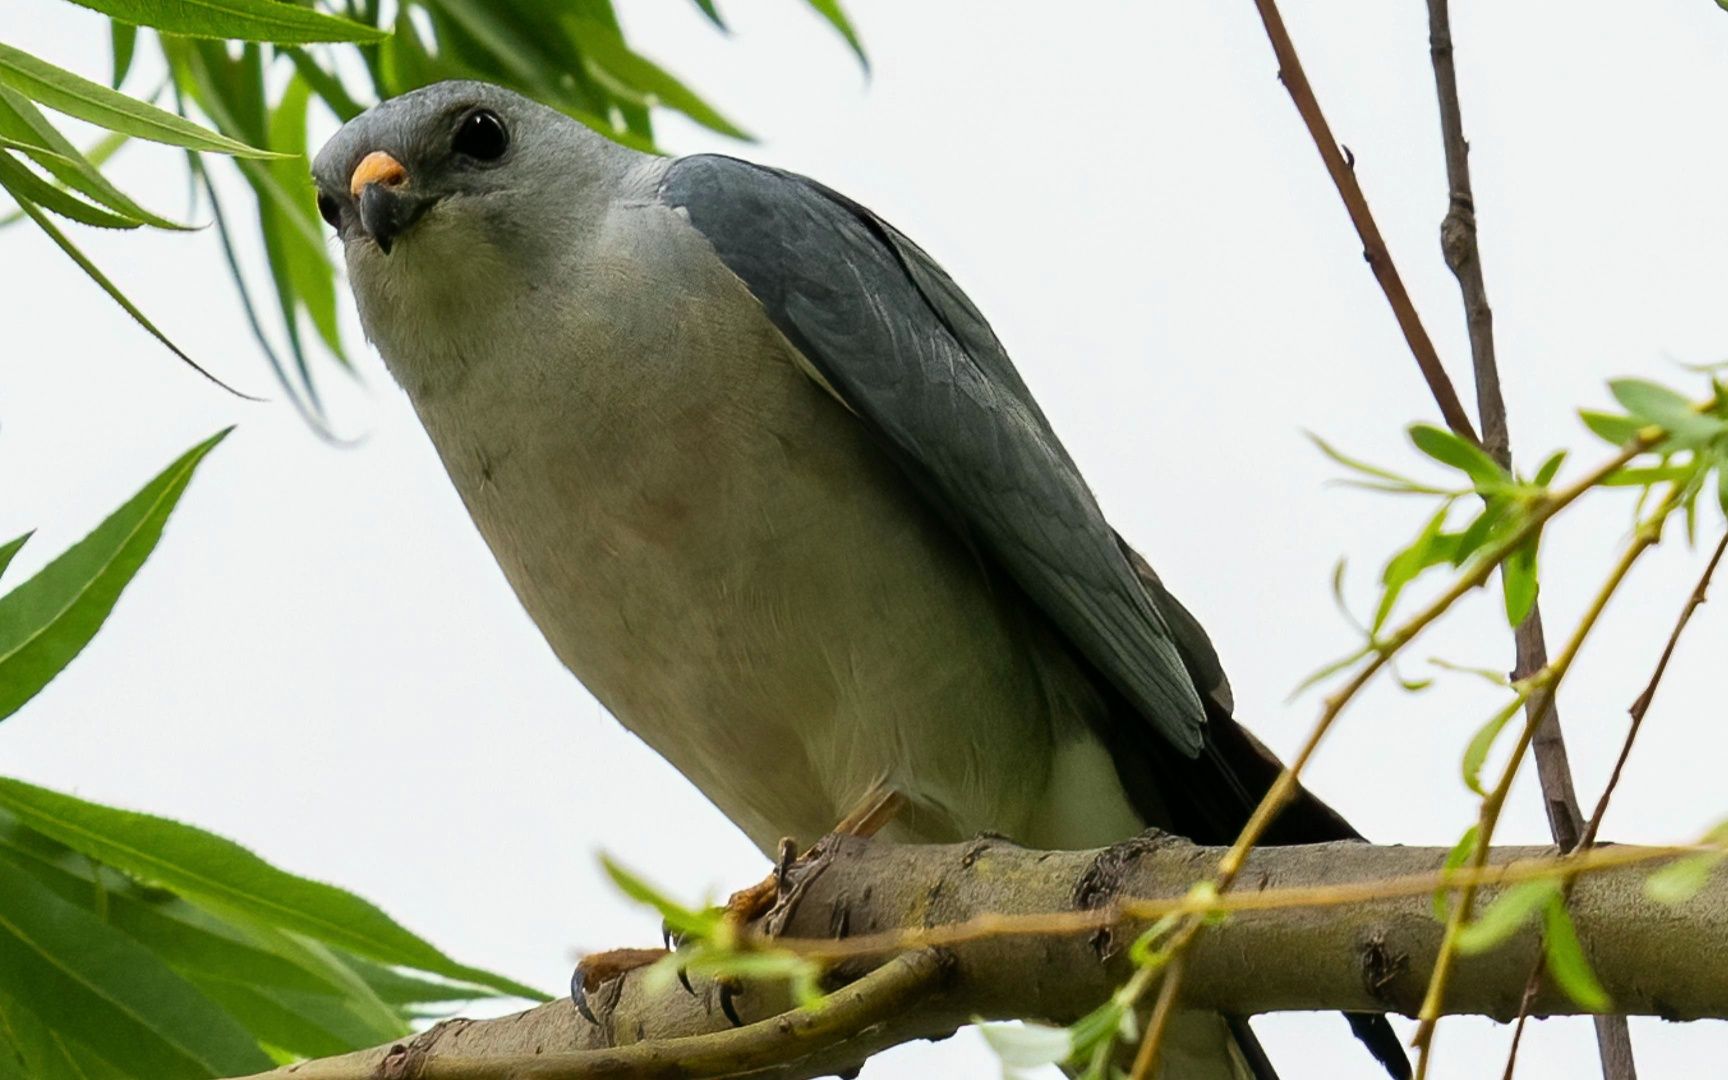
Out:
{"x": 1343, "y": 175}
{"x": 1373, "y": 952}
{"x": 1463, "y": 256}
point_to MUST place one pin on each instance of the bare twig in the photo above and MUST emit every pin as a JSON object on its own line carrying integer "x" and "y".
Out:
{"x": 1373, "y": 246}
{"x": 1463, "y": 256}
{"x": 1546, "y": 685}
{"x": 1640, "y": 706}
{"x": 1284, "y": 788}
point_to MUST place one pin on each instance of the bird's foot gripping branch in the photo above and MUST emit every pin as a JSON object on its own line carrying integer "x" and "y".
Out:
{"x": 931, "y": 938}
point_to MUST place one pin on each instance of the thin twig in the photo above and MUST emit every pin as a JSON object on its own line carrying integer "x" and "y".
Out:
{"x": 1373, "y": 246}
{"x": 1547, "y": 684}
{"x": 1640, "y": 706}
{"x": 1284, "y": 788}
{"x": 1458, "y": 245}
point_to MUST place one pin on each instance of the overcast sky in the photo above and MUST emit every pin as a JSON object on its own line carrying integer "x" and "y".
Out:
{"x": 323, "y": 662}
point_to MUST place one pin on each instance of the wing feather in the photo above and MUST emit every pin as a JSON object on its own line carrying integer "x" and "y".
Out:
{"x": 891, "y": 334}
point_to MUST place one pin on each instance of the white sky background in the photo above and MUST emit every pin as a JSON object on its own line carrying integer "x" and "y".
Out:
{"x": 323, "y": 662}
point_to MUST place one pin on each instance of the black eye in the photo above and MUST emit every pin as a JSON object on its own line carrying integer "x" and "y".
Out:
{"x": 330, "y": 210}
{"x": 481, "y": 136}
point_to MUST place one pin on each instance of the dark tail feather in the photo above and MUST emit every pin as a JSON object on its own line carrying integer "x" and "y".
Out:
{"x": 1252, "y": 1052}
{"x": 1377, "y": 1035}
{"x": 1210, "y": 804}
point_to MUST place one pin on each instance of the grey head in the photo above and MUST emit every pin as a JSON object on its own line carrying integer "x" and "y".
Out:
{"x": 458, "y": 187}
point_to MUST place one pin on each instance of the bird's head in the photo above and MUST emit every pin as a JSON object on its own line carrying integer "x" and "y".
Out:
{"x": 449, "y": 197}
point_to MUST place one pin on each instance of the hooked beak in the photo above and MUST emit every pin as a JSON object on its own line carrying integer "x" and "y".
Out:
{"x": 388, "y": 205}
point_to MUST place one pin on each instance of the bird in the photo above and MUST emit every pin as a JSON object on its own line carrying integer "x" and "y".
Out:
{"x": 772, "y": 490}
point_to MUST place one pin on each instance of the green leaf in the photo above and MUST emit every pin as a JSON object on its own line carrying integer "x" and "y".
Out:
{"x": 23, "y": 122}
{"x": 189, "y": 939}
{"x": 1460, "y": 854}
{"x": 1566, "y": 961}
{"x": 831, "y": 10}
{"x": 327, "y": 85}
{"x": 210, "y": 869}
{"x": 1452, "y": 449}
{"x": 1645, "y": 476}
{"x": 78, "y": 97}
{"x": 10, "y": 548}
{"x": 1379, "y": 479}
{"x": 1721, "y": 465}
{"x": 31, "y": 1050}
{"x": 1518, "y": 578}
{"x": 679, "y": 919}
{"x": 1403, "y": 567}
{"x": 95, "y": 274}
{"x": 628, "y": 73}
{"x": 1509, "y": 911}
{"x": 395, "y": 988}
{"x": 90, "y": 982}
{"x": 1681, "y": 879}
{"x": 48, "y": 620}
{"x": 308, "y": 1025}
{"x": 1495, "y": 514}
{"x": 1611, "y": 427}
{"x": 713, "y": 12}
{"x": 241, "y": 20}
{"x": 1550, "y": 468}
{"x": 24, "y": 185}
{"x": 1654, "y": 404}
{"x": 123, "y": 41}
{"x": 1476, "y": 753}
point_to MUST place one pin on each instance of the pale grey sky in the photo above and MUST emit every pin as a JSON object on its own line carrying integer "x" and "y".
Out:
{"x": 322, "y": 661}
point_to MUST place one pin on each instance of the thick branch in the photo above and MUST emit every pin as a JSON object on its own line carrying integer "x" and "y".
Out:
{"x": 1369, "y": 954}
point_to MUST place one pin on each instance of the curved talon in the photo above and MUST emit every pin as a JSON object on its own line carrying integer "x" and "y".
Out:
{"x": 729, "y": 990}
{"x": 579, "y": 995}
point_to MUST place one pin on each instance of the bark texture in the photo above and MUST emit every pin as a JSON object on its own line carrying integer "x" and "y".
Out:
{"x": 1368, "y": 955}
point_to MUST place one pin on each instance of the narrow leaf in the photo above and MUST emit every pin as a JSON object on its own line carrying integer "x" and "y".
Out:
{"x": 1611, "y": 427}
{"x": 1519, "y": 580}
{"x": 679, "y": 919}
{"x": 23, "y": 122}
{"x": 1483, "y": 741}
{"x": 123, "y": 40}
{"x": 77, "y": 96}
{"x": 1509, "y": 911}
{"x": 92, "y": 272}
{"x": 205, "y": 867}
{"x": 1682, "y": 879}
{"x": 10, "y": 548}
{"x": 831, "y": 11}
{"x": 24, "y": 185}
{"x": 1567, "y": 962}
{"x": 713, "y": 12}
{"x": 1450, "y": 448}
{"x": 1550, "y": 468}
{"x": 87, "y": 980}
{"x": 1460, "y": 854}
{"x": 240, "y": 20}
{"x": 1655, "y": 404}
{"x": 48, "y": 620}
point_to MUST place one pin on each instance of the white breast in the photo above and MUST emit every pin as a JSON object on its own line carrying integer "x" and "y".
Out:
{"x": 714, "y": 546}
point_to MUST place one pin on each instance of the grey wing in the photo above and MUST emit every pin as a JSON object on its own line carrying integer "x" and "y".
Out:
{"x": 904, "y": 349}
